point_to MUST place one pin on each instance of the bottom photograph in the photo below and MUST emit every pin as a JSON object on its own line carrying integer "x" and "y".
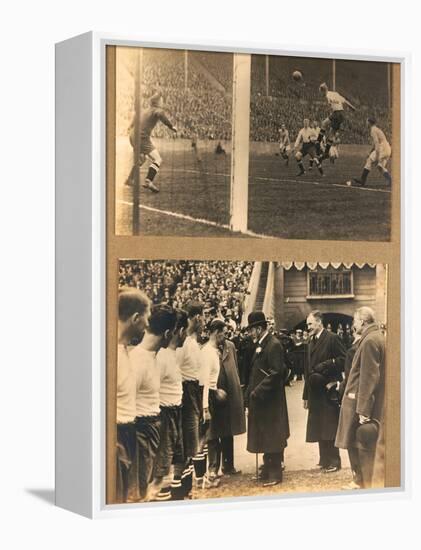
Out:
{"x": 241, "y": 378}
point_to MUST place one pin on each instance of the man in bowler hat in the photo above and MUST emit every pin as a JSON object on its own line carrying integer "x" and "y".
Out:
{"x": 268, "y": 426}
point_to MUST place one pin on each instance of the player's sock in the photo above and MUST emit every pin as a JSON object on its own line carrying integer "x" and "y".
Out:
{"x": 387, "y": 177}
{"x": 327, "y": 149}
{"x": 311, "y": 161}
{"x": 319, "y": 166}
{"x": 301, "y": 167}
{"x": 152, "y": 171}
{"x": 364, "y": 176}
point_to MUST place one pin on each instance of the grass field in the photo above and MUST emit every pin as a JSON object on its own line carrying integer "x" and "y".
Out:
{"x": 194, "y": 195}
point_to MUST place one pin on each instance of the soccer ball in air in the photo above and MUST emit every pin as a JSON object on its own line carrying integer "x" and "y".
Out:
{"x": 297, "y": 76}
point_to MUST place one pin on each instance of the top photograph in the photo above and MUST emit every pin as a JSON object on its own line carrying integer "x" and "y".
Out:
{"x": 209, "y": 144}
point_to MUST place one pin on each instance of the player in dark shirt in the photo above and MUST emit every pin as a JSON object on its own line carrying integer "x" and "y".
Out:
{"x": 148, "y": 120}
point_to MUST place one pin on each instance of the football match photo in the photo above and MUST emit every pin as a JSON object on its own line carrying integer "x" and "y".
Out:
{"x": 231, "y": 144}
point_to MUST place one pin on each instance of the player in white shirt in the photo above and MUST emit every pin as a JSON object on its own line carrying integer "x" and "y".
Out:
{"x": 379, "y": 155}
{"x": 305, "y": 145}
{"x": 170, "y": 450}
{"x": 284, "y": 143}
{"x": 194, "y": 413}
{"x": 133, "y": 314}
{"x": 143, "y": 357}
{"x": 334, "y": 121}
{"x": 316, "y": 128}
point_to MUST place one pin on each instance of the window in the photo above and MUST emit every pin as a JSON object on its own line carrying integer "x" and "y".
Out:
{"x": 330, "y": 283}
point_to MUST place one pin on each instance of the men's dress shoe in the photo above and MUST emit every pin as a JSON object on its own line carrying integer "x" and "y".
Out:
{"x": 331, "y": 469}
{"x": 260, "y": 477}
{"x": 351, "y": 486}
{"x": 232, "y": 472}
{"x": 271, "y": 483}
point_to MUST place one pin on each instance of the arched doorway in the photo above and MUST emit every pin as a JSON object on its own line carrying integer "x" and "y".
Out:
{"x": 333, "y": 318}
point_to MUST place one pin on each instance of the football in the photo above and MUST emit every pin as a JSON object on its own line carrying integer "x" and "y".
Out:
{"x": 297, "y": 76}
{"x": 349, "y": 183}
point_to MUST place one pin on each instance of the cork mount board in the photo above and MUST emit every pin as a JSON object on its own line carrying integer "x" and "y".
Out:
{"x": 254, "y": 182}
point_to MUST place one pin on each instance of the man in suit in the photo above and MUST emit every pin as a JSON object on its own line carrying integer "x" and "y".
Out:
{"x": 324, "y": 367}
{"x": 362, "y": 405}
{"x": 268, "y": 425}
{"x": 228, "y": 418}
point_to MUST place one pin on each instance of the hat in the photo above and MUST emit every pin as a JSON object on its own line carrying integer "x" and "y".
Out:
{"x": 317, "y": 381}
{"x": 366, "y": 434}
{"x": 256, "y": 318}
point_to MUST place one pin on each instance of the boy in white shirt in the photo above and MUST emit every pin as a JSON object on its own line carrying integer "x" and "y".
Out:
{"x": 133, "y": 313}
{"x": 143, "y": 357}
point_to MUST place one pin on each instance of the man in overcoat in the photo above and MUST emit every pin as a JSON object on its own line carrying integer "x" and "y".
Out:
{"x": 324, "y": 367}
{"x": 229, "y": 417}
{"x": 268, "y": 425}
{"x": 362, "y": 405}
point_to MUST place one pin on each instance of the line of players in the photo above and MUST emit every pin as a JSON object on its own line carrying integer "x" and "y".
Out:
{"x": 321, "y": 143}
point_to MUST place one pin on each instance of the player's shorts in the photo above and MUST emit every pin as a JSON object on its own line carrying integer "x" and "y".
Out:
{"x": 126, "y": 459}
{"x": 192, "y": 411}
{"x": 170, "y": 450}
{"x": 147, "y": 439}
{"x": 333, "y": 152}
{"x": 146, "y": 144}
{"x": 336, "y": 120}
{"x": 382, "y": 160}
{"x": 309, "y": 149}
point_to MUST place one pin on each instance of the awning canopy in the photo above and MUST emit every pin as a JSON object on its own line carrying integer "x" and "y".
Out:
{"x": 324, "y": 265}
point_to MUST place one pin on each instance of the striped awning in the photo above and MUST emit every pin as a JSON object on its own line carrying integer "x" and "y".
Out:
{"x": 324, "y": 265}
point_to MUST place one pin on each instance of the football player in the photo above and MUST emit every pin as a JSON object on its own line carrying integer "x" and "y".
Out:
{"x": 148, "y": 120}
{"x": 333, "y": 122}
{"x": 284, "y": 143}
{"x": 305, "y": 145}
{"x": 379, "y": 154}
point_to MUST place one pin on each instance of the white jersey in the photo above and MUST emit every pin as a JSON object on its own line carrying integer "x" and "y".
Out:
{"x": 190, "y": 363}
{"x": 126, "y": 387}
{"x": 336, "y": 101}
{"x": 316, "y": 133}
{"x": 147, "y": 381}
{"x": 305, "y": 135}
{"x": 211, "y": 366}
{"x": 283, "y": 138}
{"x": 380, "y": 143}
{"x": 171, "y": 389}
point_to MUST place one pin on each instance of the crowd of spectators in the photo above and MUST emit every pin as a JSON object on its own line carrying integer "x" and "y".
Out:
{"x": 201, "y": 110}
{"x": 221, "y": 286}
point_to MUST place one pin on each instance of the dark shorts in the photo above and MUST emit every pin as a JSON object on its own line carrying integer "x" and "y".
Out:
{"x": 126, "y": 455}
{"x": 309, "y": 149}
{"x": 170, "y": 450}
{"x": 192, "y": 412}
{"x": 147, "y": 439}
{"x": 336, "y": 119}
{"x": 146, "y": 144}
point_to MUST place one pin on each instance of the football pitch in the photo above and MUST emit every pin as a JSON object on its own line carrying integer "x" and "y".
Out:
{"x": 194, "y": 197}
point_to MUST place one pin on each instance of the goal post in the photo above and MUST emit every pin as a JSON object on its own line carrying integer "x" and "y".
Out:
{"x": 240, "y": 142}
{"x": 138, "y": 74}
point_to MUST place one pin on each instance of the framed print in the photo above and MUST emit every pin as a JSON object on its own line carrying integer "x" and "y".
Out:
{"x": 228, "y": 275}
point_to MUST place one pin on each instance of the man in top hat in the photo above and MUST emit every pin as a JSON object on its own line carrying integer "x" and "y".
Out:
{"x": 268, "y": 426}
{"x": 323, "y": 370}
{"x": 363, "y": 400}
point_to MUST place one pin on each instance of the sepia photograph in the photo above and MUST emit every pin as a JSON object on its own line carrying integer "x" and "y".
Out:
{"x": 247, "y": 378}
{"x": 230, "y": 144}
